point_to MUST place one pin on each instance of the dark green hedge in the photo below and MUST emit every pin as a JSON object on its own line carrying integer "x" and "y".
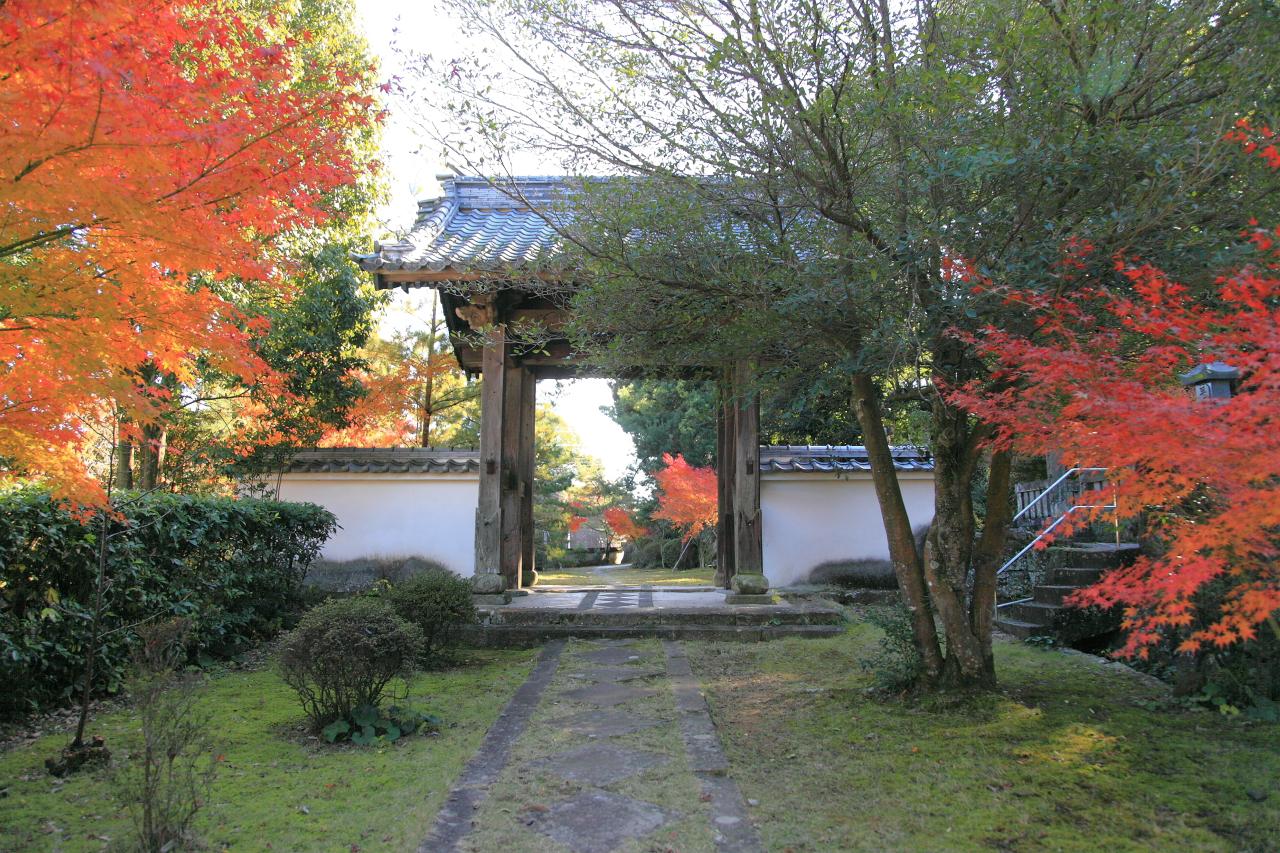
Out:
{"x": 233, "y": 567}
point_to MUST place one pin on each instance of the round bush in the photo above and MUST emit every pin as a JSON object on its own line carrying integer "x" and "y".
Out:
{"x": 439, "y": 603}
{"x": 344, "y": 653}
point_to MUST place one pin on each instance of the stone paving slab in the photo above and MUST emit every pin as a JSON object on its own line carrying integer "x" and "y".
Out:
{"x": 604, "y": 724}
{"x": 734, "y": 832}
{"x": 613, "y": 655}
{"x": 615, "y": 673}
{"x": 607, "y": 694}
{"x": 601, "y": 764}
{"x": 600, "y": 821}
{"x": 603, "y": 779}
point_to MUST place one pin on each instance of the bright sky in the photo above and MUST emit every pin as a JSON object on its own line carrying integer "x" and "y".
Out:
{"x": 413, "y": 162}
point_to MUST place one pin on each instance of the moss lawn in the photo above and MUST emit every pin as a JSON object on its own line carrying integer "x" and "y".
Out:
{"x": 277, "y": 788}
{"x": 1067, "y": 755}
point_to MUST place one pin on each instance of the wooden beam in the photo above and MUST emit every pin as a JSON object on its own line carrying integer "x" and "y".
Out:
{"x": 511, "y": 547}
{"x": 748, "y": 547}
{"x": 725, "y": 467}
{"x": 528, "y": 413}
{"x": 489, "y": 506}
{"x": 552, "y": 318}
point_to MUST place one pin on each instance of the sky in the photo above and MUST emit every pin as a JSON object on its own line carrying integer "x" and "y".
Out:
{"x": 412, "y": 163}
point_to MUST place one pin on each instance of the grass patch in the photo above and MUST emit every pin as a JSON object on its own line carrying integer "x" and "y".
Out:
{"x": 625, "y": 575}
{"x": 1063, "y": 757}
{"x": 276, "y": 784}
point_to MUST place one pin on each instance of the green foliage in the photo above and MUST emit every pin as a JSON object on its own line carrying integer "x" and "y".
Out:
{"x": 1242, "y": 679}
{"x": 344, "y": 654}
{"x": 439, "y": 603}
{"x": 896, "y": 665}
{"x": 679, "y": 416}
{"x": 370, "y": 724}
{"x": 667, "y": 416}
{"x": 561, "y": 472}
{"x": 232, "y": 568}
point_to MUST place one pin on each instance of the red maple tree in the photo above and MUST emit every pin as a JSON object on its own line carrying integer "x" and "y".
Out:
{"x": 144, "y": 142}
{"x": 1097, "y": 381}
{"x": 622, "y": 524}
{"x": 686, "y": 495}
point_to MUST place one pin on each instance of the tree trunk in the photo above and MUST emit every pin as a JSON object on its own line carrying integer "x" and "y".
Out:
{"x": 425, "y": 434}
{"x": 151, "y": 456}
{"x": 428, "y": 392}
{"x": 951, "y": 546}
{"x": 986, "y": 558}
{"x": 124, "y": 465}
{"x": 897, "y": 524}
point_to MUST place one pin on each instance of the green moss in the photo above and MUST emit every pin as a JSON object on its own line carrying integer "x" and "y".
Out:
{"x": 274, "y": 783}
{"x": 1065, "y": 756}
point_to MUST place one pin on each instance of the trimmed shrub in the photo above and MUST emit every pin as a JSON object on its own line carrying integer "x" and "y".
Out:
{"x": 440, "y": 604}
{"x": 856, "y": 574}
{"x": 344, "y": 654}
{"x": 232, "y": 568}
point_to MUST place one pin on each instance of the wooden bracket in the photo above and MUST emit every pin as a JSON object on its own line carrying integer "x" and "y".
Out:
{"x": 482, "y": 311}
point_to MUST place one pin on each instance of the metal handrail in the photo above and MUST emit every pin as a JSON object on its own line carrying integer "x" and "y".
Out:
{"x": 1050, "y": 488}
{"x": 1043, "y": 533}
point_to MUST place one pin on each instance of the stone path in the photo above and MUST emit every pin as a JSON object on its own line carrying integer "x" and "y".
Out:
{"x": 609, "y": 746}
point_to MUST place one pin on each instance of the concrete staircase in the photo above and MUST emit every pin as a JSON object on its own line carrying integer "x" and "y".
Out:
{"x": 1070, "y": 566}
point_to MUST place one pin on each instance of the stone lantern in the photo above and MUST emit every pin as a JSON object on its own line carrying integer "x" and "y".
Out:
{"x": 1211, "y": 381}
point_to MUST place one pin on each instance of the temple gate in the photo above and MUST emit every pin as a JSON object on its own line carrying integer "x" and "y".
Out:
{"x": 492, "y": 257}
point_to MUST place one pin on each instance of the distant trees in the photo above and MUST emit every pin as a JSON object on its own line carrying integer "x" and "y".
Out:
{"x": 157, "y": 158}
{"x": 686, "y": 496}
{"x": 414, "y": 393}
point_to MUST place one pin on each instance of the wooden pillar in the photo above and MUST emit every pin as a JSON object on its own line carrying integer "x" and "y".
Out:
{"x": 725, "y": 467}
{"x": 528, "y": 413}
{"x": 748, "y": 546}
{"x": 488, "y": 568}
{"x": 511, "y": 547}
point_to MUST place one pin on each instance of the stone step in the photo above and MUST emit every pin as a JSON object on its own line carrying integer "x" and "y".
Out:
{"x": 1091, "y": 555}
{"x": 1033, "y": 612}
{"x": 1052, "y": 593}
{"x": 725, "y": 616}
{"x": 500, "y": 635}
{"x": 1076, "y": 576}
{"x": 1018, "y": 628}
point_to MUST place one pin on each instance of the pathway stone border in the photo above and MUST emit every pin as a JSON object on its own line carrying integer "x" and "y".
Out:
{"x": 454, "y": 820}
{"x": 734, "y": 832}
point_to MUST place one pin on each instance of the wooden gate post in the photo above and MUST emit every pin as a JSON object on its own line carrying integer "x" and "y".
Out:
{"x": 748, "y": 549}
{"x": 725, "y": 469}
{"x": 488, "y": 578}
{"x": 511, "y": 548}
{"x": 528, "y": 414}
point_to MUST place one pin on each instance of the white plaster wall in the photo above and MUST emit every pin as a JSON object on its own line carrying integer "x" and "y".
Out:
{"x": 812, "y": 518}
{"x": 395, "y": 515}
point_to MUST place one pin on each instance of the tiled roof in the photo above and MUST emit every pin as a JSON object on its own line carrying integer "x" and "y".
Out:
{"x": 840, "y": 457}
{"x": 379, "y": 460}
{"x": 475, "y": 227}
